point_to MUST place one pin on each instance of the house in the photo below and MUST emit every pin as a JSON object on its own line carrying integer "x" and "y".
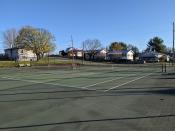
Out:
{"x": 101, "y": 54}
{"x": 3, "y": 57}
{"x": 62, "y": 53}
{"x": 166, "y": 57}
{"x": 170, "y": 54}
{"x": 121, "y": 55}
{"x": 74, "y": 52}
{"x": 95, "y": 54}
{"x": 152, "y": 56}
{"x": 20, "y": 54}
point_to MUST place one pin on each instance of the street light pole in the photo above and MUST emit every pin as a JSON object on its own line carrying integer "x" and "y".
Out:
{"x": 72, "y": 52}
{"x": 1, "y": 47}
{"x": 83, "y": 54}
{"x": 173, "y": 44}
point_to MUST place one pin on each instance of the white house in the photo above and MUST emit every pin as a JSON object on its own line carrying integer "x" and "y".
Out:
{"x": 20, "y": 54}
{"x": 96, "y": 54}
{"x": 101, "y": 54}
{"x": 117, "y": 55}
{"x": 76, "y": 52}
{"x": 79, "y": 53}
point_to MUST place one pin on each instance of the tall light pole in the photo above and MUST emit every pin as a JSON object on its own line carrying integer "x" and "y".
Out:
{"x": 173, "y": 44}
{"x": 1, "y": 47}
{"x": 83, "y": 54}
{"x": 72, "y": 42}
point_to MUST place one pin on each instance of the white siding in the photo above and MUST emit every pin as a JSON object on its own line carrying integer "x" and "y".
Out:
{"x": 130, "y": 56}
{"x": 79, "y": 54}
{"x": 20, "y": 54}
{"x": 26, "y": 55}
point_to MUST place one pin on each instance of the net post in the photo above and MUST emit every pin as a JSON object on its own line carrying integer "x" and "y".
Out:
{"x": 165, "y": 67}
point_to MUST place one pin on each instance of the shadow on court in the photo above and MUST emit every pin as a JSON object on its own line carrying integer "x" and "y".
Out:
{"x": 89, "y": 121}
{"x": 114, "y": 93}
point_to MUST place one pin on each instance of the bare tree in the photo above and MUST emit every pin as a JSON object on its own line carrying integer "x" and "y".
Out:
{"x": 10, "y": 38}
{"x": 91, "y": 47}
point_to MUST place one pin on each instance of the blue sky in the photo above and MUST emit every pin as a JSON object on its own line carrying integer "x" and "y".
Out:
{"x": 130, "y": 21}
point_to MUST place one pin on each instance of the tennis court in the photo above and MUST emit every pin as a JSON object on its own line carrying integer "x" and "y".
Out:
{"x": 89, "y": 98}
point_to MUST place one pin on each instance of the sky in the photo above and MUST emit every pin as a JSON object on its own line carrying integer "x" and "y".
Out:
{"x": 130, "y": 21}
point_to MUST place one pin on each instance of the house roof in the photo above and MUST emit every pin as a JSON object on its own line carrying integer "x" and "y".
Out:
{"x": 74, "y": 49}
{"x": 120, "y": 51}
{"x": 97, "y": 51}
{"x": 17, "y": 47}
{"x": 151, "y": 54}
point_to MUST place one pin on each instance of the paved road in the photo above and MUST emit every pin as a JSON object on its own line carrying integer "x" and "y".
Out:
{"x": 144, "y": 105}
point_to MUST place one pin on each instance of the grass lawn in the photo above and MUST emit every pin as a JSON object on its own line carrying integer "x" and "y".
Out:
{"x": 64, "y": 61}
{"x": 7, "y": 64}
{"x": 42, "y": 62}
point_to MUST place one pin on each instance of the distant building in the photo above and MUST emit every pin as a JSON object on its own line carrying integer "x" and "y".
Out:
{"x": 121, "y": 55}
{"x": 101, "y": 54}
{"x": 96, "y": 54}
{"x": 62, "y": 53}
{"x": 152, "y": 56}
{"x": 74, "y": 52}
{"x": 20, "y": 54}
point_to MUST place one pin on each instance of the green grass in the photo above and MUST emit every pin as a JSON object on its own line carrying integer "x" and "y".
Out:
{"x": 53, "y": 61}
{"x": 57, "y": 61}
{"x": 42, "y": 62}
{"x": 7, "y": 64}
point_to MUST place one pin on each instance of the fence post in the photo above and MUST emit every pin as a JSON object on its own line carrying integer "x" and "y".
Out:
{"x": 165, "y": 67}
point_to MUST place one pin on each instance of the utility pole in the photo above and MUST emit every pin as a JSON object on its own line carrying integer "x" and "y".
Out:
{"x": 106, "y": 53}
{"x": 83, "y": 54}
{"x": 72, "y": 52}
{"x": 173, "y": 44}
{"x": 48, "y": 59}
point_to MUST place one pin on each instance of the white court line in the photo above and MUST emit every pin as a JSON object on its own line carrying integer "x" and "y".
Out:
{"x": 44, "y": 74}
{"x": 128, "y": 82}
{"x": 86, "y": 87}
{"x": 102, "y": 82}
{"x": 37, "y": 82}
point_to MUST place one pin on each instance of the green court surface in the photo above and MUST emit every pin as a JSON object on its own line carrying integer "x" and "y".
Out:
{"x": 88, "y": 98}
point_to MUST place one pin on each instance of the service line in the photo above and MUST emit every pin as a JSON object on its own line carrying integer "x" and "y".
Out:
{"x": 38, "y": 82}
{"x": 87, "y": 87}
{"x": 128, "y": 82}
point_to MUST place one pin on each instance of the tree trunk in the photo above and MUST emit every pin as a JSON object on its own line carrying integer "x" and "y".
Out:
{"x": 90, "y": 57}
{"x": 42, "y": 55}
{"x": 38, "y": 57}
{"x": 11, "y": 56}
{"x": 93, "y": 56}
